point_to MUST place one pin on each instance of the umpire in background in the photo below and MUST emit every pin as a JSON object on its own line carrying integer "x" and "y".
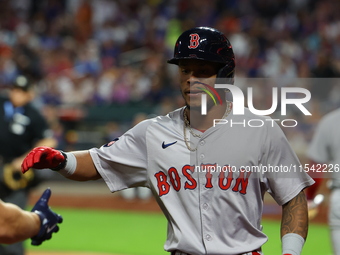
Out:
{"x": 22, "y": 127}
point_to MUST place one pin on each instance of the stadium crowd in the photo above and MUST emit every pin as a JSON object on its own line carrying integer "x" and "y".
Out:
{"x": 87, "y": 53}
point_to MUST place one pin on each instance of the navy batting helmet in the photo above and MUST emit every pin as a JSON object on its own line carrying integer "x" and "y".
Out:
{"x": 207, "y": 44}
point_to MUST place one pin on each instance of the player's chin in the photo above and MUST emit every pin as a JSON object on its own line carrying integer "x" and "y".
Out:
{"x": 193, "y": 101}
{"x": 194, "y": 105}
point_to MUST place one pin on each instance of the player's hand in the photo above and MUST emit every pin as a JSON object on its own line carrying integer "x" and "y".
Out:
{"x": 49, "y": 219}
{"x": 42, "y": 157}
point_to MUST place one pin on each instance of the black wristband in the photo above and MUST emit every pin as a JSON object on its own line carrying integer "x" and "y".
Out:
{"x": 62, "y": 164}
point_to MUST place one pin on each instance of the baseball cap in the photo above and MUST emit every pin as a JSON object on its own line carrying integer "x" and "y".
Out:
{"x": 22, "y": 82}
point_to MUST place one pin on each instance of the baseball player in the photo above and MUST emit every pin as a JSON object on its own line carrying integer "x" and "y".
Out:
{"x": 198, "y": 171}
{"x": 18, "y": 225}
{"x": 324, "y": 153}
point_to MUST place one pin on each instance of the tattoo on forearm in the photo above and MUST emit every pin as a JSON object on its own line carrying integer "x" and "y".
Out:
{"x": 295, "y": 216}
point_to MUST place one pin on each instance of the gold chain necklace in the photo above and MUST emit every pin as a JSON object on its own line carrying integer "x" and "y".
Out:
{"x": 188, "y": 126}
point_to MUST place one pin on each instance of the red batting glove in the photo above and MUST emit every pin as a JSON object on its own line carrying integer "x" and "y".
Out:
{"x": 42, "y": 157}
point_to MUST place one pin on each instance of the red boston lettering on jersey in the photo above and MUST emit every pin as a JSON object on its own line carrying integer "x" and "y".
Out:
{"x": 225, "y": 178}
{"x": 194, "y": 41}
{"x": 225, "y": 182}
{"x": 191, "y": 183}
{"x": 174, "y": 178}
{"x": 242, "y": 181}
{"x": 208, "y": 175}
{"x": 163, "y": 186}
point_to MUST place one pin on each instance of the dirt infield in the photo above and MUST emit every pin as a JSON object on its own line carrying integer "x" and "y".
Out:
{"x": 104, "y": 202}
{"x": 91, "y": 195}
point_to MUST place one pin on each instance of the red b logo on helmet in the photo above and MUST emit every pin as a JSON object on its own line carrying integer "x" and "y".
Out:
{"x": 194, "y": 41}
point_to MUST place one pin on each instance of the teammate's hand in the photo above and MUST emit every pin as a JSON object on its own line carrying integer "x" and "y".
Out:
{"x": 42, "y": 157}
{"x": 49, "y": 219}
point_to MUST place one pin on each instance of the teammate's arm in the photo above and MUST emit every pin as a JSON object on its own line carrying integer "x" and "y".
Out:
{"x": 16, "y": 224}
{"x": 294, "y": 224}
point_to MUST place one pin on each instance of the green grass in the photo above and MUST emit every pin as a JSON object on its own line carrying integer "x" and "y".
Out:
{"x": 109, "y": 232}
{"x": 145, "y": 233}
{"x": 318, "y": 241}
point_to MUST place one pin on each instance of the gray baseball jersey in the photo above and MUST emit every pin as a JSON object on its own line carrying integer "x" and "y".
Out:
{"x": 212, "y": 201}
{"x": 325, "y": 145}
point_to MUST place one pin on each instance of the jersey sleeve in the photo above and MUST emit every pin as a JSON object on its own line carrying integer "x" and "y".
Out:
{"x": 282, "y": 175}
{"x": 122, "y": 163}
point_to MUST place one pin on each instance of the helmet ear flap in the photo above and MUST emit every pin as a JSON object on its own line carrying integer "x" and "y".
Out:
{"x": 225, "y": 74}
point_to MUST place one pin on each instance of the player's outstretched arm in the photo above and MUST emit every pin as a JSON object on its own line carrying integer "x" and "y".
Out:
{"x": 294, "y": 225}
{"x": 18, "y": 225}
{"x": 77, "y": 165}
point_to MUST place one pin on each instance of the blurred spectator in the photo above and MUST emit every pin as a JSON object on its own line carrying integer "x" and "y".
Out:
{"x": 83, "y": 21}
{"x": 322, "y": 85}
